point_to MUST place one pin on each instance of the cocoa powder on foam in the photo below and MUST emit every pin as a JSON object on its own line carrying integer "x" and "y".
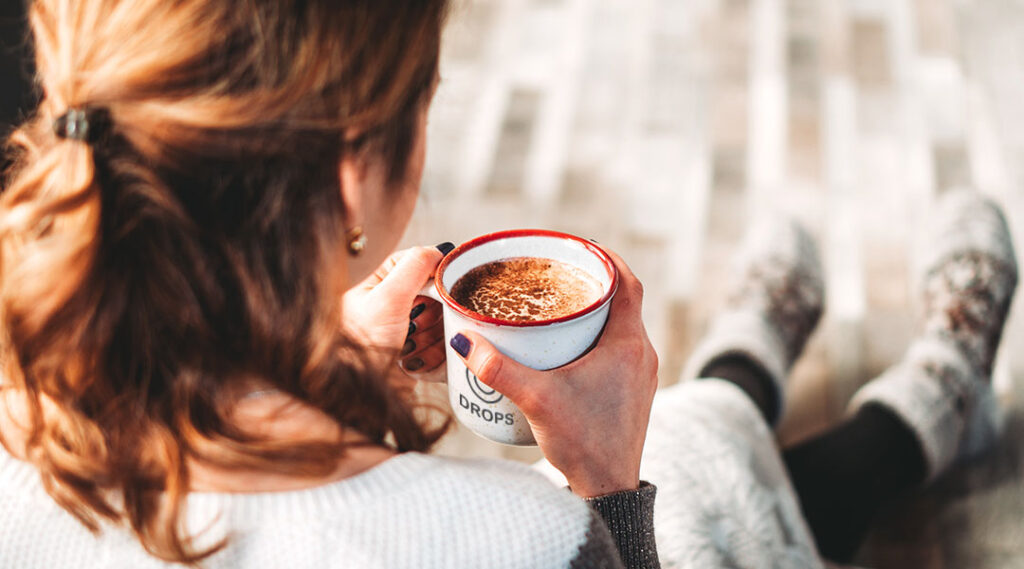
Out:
{"x": 526, "y": 289}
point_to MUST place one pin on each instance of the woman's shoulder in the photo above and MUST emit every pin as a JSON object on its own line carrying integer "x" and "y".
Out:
{"x": 487, "y": 469}
{"x": 493, "y": 513}
{"x": 451, "y": 489}
{"x": 417, "y": 510}
{"x": 413, "y": 510}
{"x": 491, "y": 480}
{"x": 15, "y": 475}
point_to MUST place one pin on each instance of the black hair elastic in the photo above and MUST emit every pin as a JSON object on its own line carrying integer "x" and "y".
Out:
{"x": 84, "y": 125}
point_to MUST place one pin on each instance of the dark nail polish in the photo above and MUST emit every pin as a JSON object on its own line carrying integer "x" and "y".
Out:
{"x": 417, "y": 310}
{"x": 412, "y": 329}
{"x": 413, "y": 364}
{"x": 461, "y": 344}
{"x": 408, "y": 348}
{"x": 445, "y": 247}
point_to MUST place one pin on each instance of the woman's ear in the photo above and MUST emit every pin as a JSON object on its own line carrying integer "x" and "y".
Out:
{"x": 352, "y": 176}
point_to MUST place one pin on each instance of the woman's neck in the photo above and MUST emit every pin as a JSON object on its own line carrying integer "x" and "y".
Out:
{"x": 274, "y": 415}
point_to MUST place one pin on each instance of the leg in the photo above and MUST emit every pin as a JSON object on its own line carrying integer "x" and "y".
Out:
{"x": 941, "y": 390}
{"x": 751, "y": 378}
{"x": 775, "y": 300}
{"x": 934, "y": 406}
{"x": 843, "y": 476}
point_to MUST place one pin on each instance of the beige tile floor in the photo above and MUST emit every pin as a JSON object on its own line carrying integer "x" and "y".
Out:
{"x": 659, "y": 127}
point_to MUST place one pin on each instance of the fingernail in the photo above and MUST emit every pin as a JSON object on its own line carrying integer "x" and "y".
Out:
{"x": 408, "y": 348}
{"x": 461, "y": 344}
{"x": 417, "y": 310}
{"x": 413, "y": 364}
{"x": 445, "y": 247}
{"x": 412, "y": 329}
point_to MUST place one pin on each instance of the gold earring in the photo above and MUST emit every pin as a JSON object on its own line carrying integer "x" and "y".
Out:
{"x": 356, "y": 240}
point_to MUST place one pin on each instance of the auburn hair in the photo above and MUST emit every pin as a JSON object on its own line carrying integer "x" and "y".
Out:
{"x": 199, "y": 241}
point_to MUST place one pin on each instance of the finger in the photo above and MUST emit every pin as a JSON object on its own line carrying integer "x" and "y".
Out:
{"x": 631, "y": 291}
{"x": 436, "y": 375}
{"x": 425, "y": 360}
{"x": 424, "y": 355}
{"x": 410, "y": 273}
{"x": 516, "y": 381}
{"x": 423, "y": 339}
{"x": 382, "y": 271}
{"x": 430, "y": 333}
{"x": 427, "y": 316}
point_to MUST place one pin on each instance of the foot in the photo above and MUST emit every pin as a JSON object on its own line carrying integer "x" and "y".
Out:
{"x": 969, "y": 277}
{"x": 942, "y": 388}
{"x": 775, "y": 300}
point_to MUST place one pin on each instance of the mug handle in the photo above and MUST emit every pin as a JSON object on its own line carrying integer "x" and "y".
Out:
{"x": 430, "y": 291}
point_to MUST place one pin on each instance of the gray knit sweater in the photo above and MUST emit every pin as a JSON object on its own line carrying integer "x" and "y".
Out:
{"x": 724, "y": 502}
{"x": 411, "y": 511}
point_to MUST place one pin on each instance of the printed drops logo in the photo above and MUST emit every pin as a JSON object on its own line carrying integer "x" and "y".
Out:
{"x": 482, "y": 392}
{"x": 488, "y": 396}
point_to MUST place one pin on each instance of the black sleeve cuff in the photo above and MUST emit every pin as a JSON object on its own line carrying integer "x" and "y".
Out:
{"x": 629, "y": 516}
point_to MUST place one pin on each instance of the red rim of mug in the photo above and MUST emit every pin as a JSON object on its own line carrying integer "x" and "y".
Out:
{"x": 516, "y": 233}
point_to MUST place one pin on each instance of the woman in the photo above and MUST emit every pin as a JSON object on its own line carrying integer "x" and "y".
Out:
{"x": 200, "y": 185}
{"x": 193, "y": 373}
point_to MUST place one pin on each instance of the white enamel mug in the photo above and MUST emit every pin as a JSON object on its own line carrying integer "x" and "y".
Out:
{"x": 542, "y": 344}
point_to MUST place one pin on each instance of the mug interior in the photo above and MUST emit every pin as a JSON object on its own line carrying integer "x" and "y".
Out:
{"x": 562, "y": 247}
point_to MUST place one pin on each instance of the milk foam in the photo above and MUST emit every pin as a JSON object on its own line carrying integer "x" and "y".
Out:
{"x": 526, "y": 289}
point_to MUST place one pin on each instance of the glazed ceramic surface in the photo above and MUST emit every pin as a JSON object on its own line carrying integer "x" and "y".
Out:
{"x": 543, "y": 344}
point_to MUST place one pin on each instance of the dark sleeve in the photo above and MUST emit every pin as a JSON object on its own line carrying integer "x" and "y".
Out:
{"x": 629, "y": 517}
{"x": 598, "y": 549}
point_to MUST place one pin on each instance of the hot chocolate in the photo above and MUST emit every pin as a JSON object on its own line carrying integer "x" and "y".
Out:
{"x": 526, "y": 289}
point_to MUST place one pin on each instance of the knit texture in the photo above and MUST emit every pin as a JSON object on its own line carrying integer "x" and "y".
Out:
{"x": 414, "y": 511}
{"x": 592, "y": 554}
{"x": 724, "y": 498}
{"x": 775, "y": 299}
{"x": 967, "y": 274}
{"x": 935, "y": 393}
{"x": 630, "y": 518}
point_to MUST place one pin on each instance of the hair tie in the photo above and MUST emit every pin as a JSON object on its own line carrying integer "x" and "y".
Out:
{"x": 82, "y": 124}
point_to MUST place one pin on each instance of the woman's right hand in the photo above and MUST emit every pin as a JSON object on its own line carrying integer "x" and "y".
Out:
{"x": 590, "y": 416}
{"x": 386, "y": 313}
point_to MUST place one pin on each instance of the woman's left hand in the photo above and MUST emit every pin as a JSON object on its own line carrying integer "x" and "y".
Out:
{"x": 385, "y": 312}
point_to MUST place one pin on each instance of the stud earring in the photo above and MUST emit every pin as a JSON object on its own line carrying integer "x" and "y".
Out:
{"x": 356, "y": 240}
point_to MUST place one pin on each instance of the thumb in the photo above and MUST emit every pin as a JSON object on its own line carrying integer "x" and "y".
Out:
{"x": 497, "y": 370}
{"x": 411, "y": 271}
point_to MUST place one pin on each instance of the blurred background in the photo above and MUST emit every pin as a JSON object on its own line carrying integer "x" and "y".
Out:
{"x": 660, "y": 128}
{"x": 16, "y": 95}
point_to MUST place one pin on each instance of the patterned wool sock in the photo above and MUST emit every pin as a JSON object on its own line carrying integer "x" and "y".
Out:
{"x": 942, "y": 388}
{"x": 775, "y": 300}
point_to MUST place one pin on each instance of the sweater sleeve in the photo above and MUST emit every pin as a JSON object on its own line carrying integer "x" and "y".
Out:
{"x": 629, "y": 516}
{"x": 598, "y": 549}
